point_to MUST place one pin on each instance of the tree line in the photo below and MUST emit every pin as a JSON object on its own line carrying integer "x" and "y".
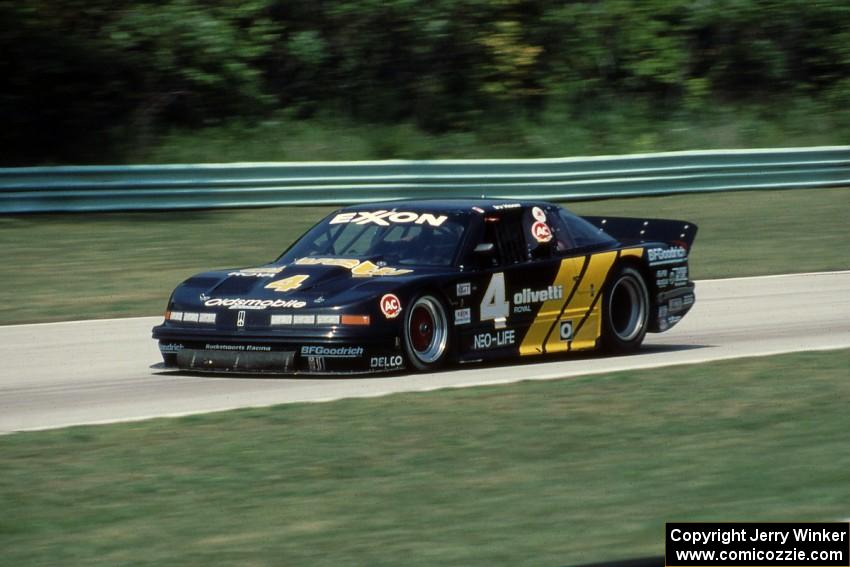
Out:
{"x": 82, "y": 75}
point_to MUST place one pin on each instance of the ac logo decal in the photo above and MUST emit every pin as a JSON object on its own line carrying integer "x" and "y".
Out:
{"x": 390, "y": 306}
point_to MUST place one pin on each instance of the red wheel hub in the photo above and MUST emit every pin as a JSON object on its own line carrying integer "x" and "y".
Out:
{"x": 421, "y": 329}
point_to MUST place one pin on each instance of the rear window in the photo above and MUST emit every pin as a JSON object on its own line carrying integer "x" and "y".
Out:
{"x": 584, "y": 234}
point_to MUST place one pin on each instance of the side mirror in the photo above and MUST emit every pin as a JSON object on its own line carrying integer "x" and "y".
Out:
{"x": 484, "y": 248}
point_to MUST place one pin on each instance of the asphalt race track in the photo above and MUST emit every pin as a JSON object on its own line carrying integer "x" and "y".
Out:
{"x": 87, "y": 372}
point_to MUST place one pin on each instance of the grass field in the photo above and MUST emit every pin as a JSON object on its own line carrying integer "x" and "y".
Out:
{"x": 79, "y": 266}
{"x": 536, "y": 473}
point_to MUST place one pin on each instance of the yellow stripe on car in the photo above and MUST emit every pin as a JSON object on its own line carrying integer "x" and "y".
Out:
{"x": 633, "y": 252}
{"x": 589, "y": 288}
{"x": 533, "y": 342}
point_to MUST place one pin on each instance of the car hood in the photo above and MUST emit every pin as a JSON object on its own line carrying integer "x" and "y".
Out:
{"x": 325, "y": 282}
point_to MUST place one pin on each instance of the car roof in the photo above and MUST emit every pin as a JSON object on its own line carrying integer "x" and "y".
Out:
{"x": 447, "y": 205}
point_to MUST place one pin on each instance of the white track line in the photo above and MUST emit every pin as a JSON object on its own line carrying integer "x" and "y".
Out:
{"x": 75, "y": 322}
{"x": 774, "y": 276}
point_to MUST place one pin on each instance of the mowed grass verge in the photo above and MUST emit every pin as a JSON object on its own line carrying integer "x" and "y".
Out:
{"x": 539, "y": 473}
{"x": 80, "y": 266}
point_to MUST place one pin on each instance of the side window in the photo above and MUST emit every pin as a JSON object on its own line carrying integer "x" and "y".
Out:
{"x": 506, "y": 233}
{"x": 539, "y": 235}
{"x": 563, "y": 240}
{"x": 521, "y": 235}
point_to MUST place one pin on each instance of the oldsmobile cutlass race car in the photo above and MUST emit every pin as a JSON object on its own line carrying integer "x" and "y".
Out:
{"x": 416, "y": 284}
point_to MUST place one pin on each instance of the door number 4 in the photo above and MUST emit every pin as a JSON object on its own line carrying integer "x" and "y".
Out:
{"x": 493, "y": 304}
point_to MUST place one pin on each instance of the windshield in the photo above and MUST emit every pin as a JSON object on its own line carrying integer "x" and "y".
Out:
{"x": 394, "y": 237}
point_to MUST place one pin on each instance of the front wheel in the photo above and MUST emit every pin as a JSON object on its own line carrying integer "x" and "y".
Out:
{"x": 625, "y": 311}
{"x": 426, "y": 333}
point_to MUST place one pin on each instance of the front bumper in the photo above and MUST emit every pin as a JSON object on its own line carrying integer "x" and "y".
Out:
{"x": 289, "y": 352}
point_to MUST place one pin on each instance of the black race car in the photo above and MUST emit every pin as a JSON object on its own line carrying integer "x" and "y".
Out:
{"x": 416, "y": 284}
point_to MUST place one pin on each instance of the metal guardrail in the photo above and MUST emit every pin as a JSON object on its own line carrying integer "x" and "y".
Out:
{"x": 143, "y": 187}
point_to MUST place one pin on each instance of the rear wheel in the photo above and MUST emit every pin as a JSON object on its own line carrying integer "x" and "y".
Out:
{"x": 625, "y": 311}
{"x": 426, "y": 333}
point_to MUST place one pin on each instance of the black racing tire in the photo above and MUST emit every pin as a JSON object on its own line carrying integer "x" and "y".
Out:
{"x": 426, "y": 333}
{"x": 625, "y": 311}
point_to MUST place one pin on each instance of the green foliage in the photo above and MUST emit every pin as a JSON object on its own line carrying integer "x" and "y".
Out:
{"x": 84, "y": 68}
{"x": 188, "y": 48}
{"x": 83, "y": 74}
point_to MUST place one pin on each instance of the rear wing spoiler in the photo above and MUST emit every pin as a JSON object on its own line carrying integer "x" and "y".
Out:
{"x": 627, "y": 229}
